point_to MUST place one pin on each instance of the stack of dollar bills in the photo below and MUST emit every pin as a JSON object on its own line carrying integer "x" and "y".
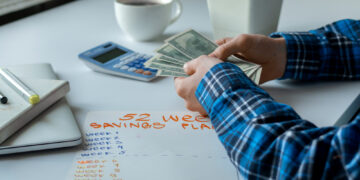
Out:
{"x": 189, "y": 45}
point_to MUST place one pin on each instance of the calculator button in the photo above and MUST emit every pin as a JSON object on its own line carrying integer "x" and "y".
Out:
{"x": 127, "y": 61}
{"x": 124, "y": 67}
{"x": 129, "y": 57}
{"x": 137, "y": 65}
{"x": 122, "y": 59}
{"x": 117, "y": 65}
{"x": 139, "y": 71}
{"x": 130, "y": 64}
{"x": 147, "y": 73}
{"x": 132, "y": 69}
{"x": 153, "y": 70}
{"x": 126, "y": 58}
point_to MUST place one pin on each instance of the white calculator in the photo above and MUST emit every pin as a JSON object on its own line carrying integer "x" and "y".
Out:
{"x": 111, "y": 58}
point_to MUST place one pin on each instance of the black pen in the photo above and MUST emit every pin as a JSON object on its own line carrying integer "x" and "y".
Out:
{"x": 3, "y": 99}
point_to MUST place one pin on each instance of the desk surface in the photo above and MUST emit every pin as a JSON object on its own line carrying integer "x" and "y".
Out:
{"x": 58, "y": 36}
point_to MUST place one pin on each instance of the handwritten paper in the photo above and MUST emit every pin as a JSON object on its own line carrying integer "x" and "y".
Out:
{"x": 150, "y": 145}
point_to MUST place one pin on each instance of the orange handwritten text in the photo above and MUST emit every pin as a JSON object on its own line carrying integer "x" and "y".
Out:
{"x": 136, "y": 125}
{"x": 140, "y": 117}
{"x": 143, "y": 121}
{"x": 196, "y": 127}
{"x": 186, "y": 118}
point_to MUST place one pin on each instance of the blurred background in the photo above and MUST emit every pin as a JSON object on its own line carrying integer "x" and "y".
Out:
{"x": 11, "y": 10}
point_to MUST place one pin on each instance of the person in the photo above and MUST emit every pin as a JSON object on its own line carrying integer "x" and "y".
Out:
{"x": 266, "y": 139}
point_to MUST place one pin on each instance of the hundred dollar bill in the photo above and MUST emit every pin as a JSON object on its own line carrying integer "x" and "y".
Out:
{"x": 157, "y": 60}
{"x": 192, "y": 44}
{"x": 170, "y": 73}
{"x": 159, "y": 64}
{"x": 171, "y": 52}
{"x": 171, "y": 60}
{"x": 164, "y": 64}
{"x": 148, "y": 62}
{"x": 257, "y": 76}
{"x": 254, "y": 74}
{"x": 235, "y": 59}
{"x": 188, "y": 45}
{"x": 245, "y": 66}
{"x": 252, "y": 71}
{"x": 166, "y": 67}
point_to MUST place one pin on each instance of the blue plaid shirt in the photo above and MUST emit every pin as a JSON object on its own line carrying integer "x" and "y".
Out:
{"x": 266, "y": 139}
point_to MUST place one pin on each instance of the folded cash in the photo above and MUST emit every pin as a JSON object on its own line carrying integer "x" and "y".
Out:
{"x": 189, "y": 45}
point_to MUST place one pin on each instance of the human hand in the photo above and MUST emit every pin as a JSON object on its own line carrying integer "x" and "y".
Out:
{"x": 186, "y": 86}
{"x": 268, "y": 52}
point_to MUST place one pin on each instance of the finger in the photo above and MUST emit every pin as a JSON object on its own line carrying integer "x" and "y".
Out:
{"x": 223, "y": 41}
{"x": 240, "y": 44}
{"x": 190, "y": 67}
{"x": 178, "y": 83}
{"x": 239, "y": 55}
{"x": 195, "y": 106}
{"x": 192, "y": 105}
{"x": 203, "y": 112}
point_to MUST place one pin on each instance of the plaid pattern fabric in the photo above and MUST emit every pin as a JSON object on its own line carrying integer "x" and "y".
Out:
{"x": 268, "y": 140}
{"x": 328, "y": 53}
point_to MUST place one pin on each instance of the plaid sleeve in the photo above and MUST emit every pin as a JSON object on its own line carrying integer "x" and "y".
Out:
{"x": 331, "y": 52}
{"x": 268, "y": 140}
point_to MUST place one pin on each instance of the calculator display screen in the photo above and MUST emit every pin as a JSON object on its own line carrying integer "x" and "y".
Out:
{"x": 103, "y": 58}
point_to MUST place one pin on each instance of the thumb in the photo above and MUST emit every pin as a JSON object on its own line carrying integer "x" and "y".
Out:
{"x": 236, "y": 45}
{"x": 225, "y": 50}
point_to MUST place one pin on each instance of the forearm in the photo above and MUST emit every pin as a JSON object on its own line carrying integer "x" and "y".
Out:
{"x": 264, "y": 138}
{"x": 328, "y": 53}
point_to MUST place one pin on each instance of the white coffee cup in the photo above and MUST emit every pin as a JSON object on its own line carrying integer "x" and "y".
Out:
{"x": 144, "y": 20}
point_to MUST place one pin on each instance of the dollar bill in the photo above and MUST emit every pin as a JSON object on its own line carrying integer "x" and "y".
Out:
{"x": 252, "y": 71}
{"x": 246, "y": 66}
{"x": 157, "y": 60}
{"x": 171, "y": 60}
{"x": 257, "y": 76}
{"x": 166, "y": 67}
{"x": 169, "y": 51}
{"x": 170, "y": 73}
{"x": 189, "y": 45}
{"x": 192, "y": 44}
{"x": 161, "y": 64}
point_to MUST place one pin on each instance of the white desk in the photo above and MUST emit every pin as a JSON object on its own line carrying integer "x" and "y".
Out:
{"x": 58, "y": 36}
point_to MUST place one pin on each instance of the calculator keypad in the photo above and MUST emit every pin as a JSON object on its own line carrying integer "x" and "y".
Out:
{"x": 135, "y": 63}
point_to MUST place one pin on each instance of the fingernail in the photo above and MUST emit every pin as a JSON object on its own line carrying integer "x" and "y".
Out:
{"x": 185, "y": 66}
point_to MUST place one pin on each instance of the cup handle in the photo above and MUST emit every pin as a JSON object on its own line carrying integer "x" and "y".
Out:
{"x": 178, "y": 11}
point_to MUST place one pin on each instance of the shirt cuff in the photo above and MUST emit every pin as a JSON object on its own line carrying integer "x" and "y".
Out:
{"x": 303, "y": 55}
{"x": 220, "y": 78}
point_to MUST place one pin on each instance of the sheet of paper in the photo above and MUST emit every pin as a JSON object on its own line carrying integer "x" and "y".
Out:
{"x": 150, "y": 145}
